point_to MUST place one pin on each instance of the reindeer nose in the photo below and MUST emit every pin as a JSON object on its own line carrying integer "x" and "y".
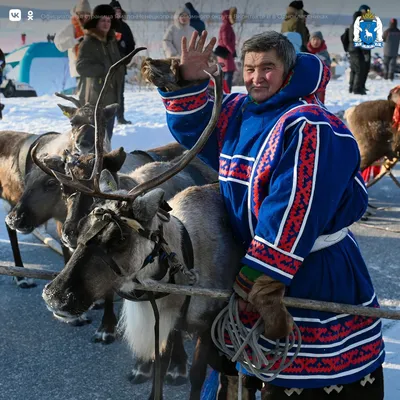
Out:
{"x": 55, "y": 301}
{"x": 69, "y": 238}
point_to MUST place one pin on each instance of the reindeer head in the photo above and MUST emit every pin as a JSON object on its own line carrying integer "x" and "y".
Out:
{"x": 114, "y": 242}
{"x": 39, "y": 202}
{"x": 82, "y": 123}
{"x": 78, "y": 204}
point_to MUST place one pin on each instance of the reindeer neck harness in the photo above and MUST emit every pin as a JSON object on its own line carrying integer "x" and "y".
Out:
{"x": 168, "y": 261}
{"x": 24, "y": 155}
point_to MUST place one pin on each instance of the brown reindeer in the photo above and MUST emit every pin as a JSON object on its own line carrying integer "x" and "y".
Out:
{"x": 374, "y": 127}
{"x": 20, "y": 178}
{"x": 15, "y": 166}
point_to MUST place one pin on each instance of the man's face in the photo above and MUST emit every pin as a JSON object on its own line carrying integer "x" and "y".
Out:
{"x": 263, "y": 74}
{"x": 104, "y": 24}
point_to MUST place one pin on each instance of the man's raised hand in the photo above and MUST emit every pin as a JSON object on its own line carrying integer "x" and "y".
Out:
{"x": 195, "y": 58}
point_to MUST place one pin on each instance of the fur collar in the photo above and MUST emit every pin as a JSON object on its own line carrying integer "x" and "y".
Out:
{"x": 95, "y": 34}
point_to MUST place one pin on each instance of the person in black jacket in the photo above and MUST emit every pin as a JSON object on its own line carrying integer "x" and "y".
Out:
{"x": 195, "y": 21}
{"x": 391, "y": 37}
{"x": 126, "y": 44}
{"x": 357, "y": 62}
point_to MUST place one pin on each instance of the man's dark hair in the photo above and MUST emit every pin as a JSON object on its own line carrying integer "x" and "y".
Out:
{"x": 272, "y": 40}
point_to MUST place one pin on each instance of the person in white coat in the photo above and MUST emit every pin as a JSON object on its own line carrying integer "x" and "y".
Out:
{"x": 175, "y": 32}
{"x": 70, "y": 37}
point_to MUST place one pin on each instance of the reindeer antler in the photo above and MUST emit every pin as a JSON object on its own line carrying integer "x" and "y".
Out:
{"x": 91, "y": 186}
{"x": 69, "y": 98}
{"x": 192, "y": 153}
{"x": 99, "y": 128}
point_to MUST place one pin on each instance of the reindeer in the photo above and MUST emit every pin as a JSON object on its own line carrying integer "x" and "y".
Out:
{"x": 15, "y": 166}
{"x": 43, "y": 197}
{"x": 18, "y": 173}
{"x": 135, "y": 231}
{"x": 78, "y": 205}
{"x": 374, "y": 128}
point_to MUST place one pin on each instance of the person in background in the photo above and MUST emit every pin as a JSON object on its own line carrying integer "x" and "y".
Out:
{"x": 126, "y": 44}
{"x": 227, "y": 40}
{"x": 97, "y": 53}
{"x": 175, "y": 32}
{"x": 2, "y": 66}
{"x": 295, "y": 39}
{"x": 195, "y": 21}
{"x": 367, "y": 53}
{"x": 317, "y": 46}
{"x": 295, "y": 21}
{"x": 357, "y": 62}
{"x": 71, "y": 36}
{"x": 391, "y": 37}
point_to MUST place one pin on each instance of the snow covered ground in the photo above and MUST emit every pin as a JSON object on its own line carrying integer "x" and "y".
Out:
{"x": 145, "y": 109}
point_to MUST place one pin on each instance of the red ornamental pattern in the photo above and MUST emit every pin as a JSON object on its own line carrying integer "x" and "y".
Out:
{"x": 328, "y": 365}
{"x": 187, "y": 103}
{"x": 268, "y": 162}
{"x": 236, "y": 168}
{"x": 305, "y": 172}
{"x": 273, "y": 257}
{"x": 224, "y": 117}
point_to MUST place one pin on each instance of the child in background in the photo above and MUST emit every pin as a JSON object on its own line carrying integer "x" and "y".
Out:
{"x": 317, "y": 46}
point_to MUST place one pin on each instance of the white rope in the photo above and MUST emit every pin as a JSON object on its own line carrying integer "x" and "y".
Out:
{"x": 245, "y": 342}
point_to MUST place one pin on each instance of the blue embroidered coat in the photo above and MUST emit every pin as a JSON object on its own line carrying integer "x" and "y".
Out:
{"x": 289, "y": 173}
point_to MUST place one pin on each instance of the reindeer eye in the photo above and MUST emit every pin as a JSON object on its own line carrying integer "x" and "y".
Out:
{"x": 51, "y": 183}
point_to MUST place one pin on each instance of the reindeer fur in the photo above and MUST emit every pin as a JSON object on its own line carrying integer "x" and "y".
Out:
{"x": 371, "y": 124}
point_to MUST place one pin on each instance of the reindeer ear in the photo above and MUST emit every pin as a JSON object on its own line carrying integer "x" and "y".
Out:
{"x": 114, "y": 160}
{"x": 107, "y": 182}
{"x": 110, "y": 111}
{"x": 69, "y": 112}
{"x": 145, "y": 207}
{"x": 54, "y": 162}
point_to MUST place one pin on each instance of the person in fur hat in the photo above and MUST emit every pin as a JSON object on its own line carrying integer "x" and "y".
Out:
{"x": 317, "y": 46}
{"x": 126, "y": 44}
{"x": 175, "y": 32}
{"x": 295, "y": 21}
{"x": 97, "y": 53}
{"x": 70, "y": 36}
{"x": 227, "y": 40}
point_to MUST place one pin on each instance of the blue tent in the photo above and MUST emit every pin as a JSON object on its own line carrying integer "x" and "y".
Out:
{"x": 42, "y": 66}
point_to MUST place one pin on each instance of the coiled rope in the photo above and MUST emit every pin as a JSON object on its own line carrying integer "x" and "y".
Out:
{"x": 245, "y": 343}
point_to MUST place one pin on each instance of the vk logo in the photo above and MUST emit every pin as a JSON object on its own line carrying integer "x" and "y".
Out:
{"x": 15, "y": 15}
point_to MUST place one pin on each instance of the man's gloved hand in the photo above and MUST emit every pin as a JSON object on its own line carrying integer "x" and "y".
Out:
{"x": 264, "y": 294}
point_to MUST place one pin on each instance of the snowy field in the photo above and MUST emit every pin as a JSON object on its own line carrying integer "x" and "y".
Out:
{"x": 146, "y": 111}
{"x": 38, "y": 343}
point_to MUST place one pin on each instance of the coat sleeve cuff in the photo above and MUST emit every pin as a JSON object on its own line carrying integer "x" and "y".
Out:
{"x": 187, "y": 100}
{"x": 272, "y": 261}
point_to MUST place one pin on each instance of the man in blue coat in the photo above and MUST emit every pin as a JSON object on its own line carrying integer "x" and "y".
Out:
{"x": 289, "y": 176}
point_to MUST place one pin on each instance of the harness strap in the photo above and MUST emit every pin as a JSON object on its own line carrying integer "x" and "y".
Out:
{"x": 24, "y": 155}
{"x": 151, "y": 156}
